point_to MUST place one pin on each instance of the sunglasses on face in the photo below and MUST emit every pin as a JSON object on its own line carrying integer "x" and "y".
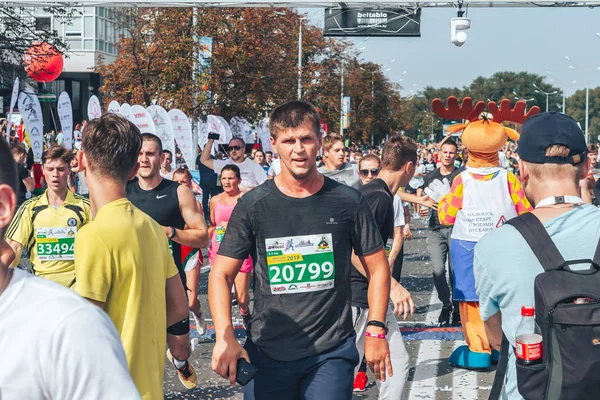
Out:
{"x": 365, "y": 172}
{"x": 236, "y": 148}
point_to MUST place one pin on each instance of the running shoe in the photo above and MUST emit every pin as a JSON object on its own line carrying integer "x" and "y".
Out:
{"x": 360, "y": 382}
{"x": 187, "y": 374}
{"x": 444, "y": 319}
{"x": 200, "y": 323}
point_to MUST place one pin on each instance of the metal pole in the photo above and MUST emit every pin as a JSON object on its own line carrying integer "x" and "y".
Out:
{"x": 587, "y": 111}
{"x": 564, "y": 103}
{"x": 342, "y": 102}
{"x": 547, "y": 95}
{"x": 300, "y": 62}
{"x": 432, "y": 128}
{"x": 195, "y": 74}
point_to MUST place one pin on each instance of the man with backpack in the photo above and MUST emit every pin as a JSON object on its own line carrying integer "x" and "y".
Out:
{"x": 520, "y": 264}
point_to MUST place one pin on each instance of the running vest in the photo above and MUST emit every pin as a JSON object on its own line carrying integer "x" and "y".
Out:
{"x": 487, "y": 205}
{"x": 162, "y": 205}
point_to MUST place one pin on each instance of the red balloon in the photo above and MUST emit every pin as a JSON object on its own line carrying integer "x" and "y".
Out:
{"x": 43, "y": 62}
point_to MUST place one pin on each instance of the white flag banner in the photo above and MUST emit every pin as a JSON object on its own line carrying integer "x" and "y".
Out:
{"x": 226, "y": 127}
{"x": 13, "y": 100}
{"x": 264, "y": 134}
{"x": 164, "y": 130}
{"x": 31, "y": 112}
{"x": 94, "y": 110}
{"x": 202, "y": 133}
{"x": 65, "y": 115}
{"x": 142, "y": 119}
{"x": 182, "y": 130}
{"x": 240, "y": 127}
{"x": 125, "y": 110}
{"x": 114, "y": 107}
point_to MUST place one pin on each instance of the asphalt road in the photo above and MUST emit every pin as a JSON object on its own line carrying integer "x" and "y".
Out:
{"x": 430, "y": 375}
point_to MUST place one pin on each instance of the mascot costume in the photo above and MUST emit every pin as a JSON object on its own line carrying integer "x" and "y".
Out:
{"x": 482, "y": 198}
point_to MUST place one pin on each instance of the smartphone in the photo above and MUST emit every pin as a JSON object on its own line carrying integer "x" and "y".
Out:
{"x": 245, "y": 372}
{"x": 214, "y": 136}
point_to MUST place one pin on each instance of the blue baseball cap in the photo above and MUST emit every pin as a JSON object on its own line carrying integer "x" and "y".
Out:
{"x": 546, "y": 129}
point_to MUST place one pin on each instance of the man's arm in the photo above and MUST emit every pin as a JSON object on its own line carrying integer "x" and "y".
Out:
{"x": 227, "y": 350}
{"x": 205, "y": 156}
{"x": 196, "y": 233}
{"x": 29, "y": 183}
{"x": 396, "y": 245}
{"x": 413, "y": 198}
{"x": 493, "y": 330}
{"x": 177, "y": 304}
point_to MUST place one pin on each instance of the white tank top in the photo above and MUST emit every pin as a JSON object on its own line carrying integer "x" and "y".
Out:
{"x": 487, "y": 205}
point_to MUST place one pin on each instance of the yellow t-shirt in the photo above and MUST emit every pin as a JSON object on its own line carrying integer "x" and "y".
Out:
{"x": 48, "y": 233}
{"x": 123, "y": 260}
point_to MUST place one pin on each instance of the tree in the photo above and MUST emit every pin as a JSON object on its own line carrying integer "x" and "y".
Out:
{"x": 18, "y": 31}
{"x": 576, "y": 109}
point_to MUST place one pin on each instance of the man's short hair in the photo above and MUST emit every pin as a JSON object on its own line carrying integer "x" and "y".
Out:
{"x": 293, "y": 114}
{"x": 592, "y": 148}
{"x": 150, "y": 137}
{"x": 167, "y": 151}
{"x": 397, "y": 151}
{"x": 451, "y": 143}
{"x": 370, "y": 157}
{"x": 269, "y": 152}
{"x": 57, "y": 153}
{"x": 238, "y": 139}
{"x": 330, "y": 140}
{"x": 17, "y": 149}
{"x": 182, "y": 171}
{"x": 554, "y": 172}
{"x": 111, "y": 145}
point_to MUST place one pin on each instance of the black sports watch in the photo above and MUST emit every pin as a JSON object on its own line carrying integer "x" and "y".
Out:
{"x": 173, "y": 233}
{"x": 378, "y": 324}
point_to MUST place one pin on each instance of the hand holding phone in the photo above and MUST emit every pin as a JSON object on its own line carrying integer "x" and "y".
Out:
{"x": 245, "y": 372}
{"x": 214, "y": 136}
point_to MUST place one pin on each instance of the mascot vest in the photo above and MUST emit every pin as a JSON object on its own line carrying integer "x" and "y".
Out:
{"x": 487, "y": 205}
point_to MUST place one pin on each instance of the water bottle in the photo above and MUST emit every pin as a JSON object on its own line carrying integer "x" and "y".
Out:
{"x": 528, "y": 339}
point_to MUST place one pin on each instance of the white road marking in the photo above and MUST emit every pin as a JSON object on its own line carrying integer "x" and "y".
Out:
{"x": 424, "y": 381}
{"x": 464, "y": 382}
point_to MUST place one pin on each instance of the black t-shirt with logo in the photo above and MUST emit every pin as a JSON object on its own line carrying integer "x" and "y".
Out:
{"x": 23, "y": 174}
{"x": 381, "y": 201}
{"x": 434, "y": 222}
{"x": 302, "y": 249}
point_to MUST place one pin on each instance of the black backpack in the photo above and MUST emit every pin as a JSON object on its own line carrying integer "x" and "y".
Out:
{"x": 570, "y": 368}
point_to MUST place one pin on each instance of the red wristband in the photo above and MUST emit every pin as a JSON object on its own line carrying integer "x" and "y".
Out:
{"x": 375, "y": 335}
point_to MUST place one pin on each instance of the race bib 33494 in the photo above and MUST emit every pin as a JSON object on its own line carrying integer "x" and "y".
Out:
{"x": 300, "y": 264}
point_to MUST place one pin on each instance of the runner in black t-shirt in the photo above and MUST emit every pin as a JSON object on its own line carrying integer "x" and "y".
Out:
{"x": 398, "y": 162}
{"x": 26, "y": 182}
{"x": 174, "y": 207}
{"x": 300, "y": 229}
{"x": 438, "y": 240}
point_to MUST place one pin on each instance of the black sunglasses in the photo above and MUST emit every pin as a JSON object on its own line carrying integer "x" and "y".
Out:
{"x": 365, "y": 172}
{"x": 237, "y": 148}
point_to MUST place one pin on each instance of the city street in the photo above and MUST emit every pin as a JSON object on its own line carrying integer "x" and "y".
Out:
{"x": 430, "y": 376}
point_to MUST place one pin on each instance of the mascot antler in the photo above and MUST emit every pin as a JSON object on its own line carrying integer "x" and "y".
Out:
{"x": 465, "y": 111}
{"x": 516, "y": 114}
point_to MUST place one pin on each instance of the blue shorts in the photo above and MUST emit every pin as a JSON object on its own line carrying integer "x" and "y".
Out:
{"x": 326, "y": 376}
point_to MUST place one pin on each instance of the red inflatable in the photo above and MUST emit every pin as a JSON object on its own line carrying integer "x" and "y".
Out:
{"x": 43, "y": 62}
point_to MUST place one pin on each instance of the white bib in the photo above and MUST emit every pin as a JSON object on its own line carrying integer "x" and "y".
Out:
{"x": 487, "y": 205}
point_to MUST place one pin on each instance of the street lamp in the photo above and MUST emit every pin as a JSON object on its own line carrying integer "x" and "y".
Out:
{"x": 587, "y": 97}
{"x": 300, "y": 53}
{"x": 538, "y": 90}
{"x": 521, "y": 97}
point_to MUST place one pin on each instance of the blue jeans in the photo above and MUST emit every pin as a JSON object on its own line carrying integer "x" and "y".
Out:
{"x": 326, "y": 376}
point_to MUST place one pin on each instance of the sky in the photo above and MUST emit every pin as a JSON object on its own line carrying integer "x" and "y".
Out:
{"x": 500, "y": 39}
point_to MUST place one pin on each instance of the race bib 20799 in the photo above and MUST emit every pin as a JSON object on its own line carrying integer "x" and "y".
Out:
{"x": 300, "y": 263}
